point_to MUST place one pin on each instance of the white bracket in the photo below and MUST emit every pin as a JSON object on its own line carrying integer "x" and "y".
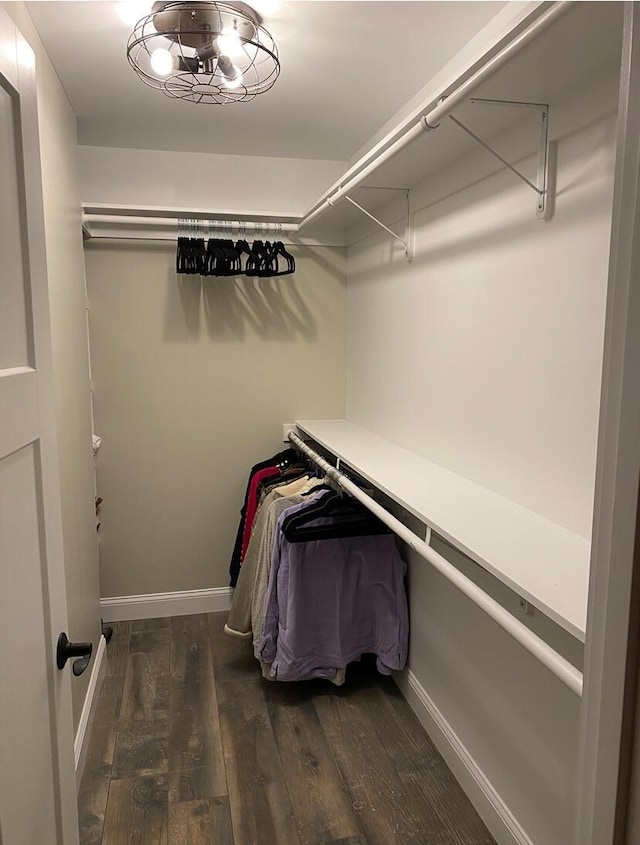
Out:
{"x": 287, "y": 428}
{"x": 526, "y": 607}
{"x": 407, "y": 241}
{"x": 541, "y": 187}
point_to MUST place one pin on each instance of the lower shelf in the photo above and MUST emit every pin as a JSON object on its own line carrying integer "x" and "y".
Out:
{"x": 541, "y": 561}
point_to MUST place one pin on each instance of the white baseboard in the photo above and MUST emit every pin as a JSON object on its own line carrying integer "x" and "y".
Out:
{"x": 501, "y": 822}
{"x": 88, "y": 708}
{"x": 159, "y": 605}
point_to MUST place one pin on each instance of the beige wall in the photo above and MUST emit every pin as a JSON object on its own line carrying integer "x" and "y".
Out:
{"x": 65, "y": 268}
{"x": 192, "y": 382}
{"x": 266, "y": 185}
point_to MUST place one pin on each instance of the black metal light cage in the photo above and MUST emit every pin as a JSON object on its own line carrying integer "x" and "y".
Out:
{"x": 200, "y": 71}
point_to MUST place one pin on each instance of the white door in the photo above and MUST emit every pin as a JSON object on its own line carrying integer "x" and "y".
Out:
{"x": 37, "y": 779}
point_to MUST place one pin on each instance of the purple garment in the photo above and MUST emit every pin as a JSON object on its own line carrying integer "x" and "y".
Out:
{"x": 330, "y": 601}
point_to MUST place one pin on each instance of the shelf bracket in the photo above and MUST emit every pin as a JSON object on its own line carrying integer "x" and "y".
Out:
{"x": 408, "y": 233}
{"x": 541, "y": 186}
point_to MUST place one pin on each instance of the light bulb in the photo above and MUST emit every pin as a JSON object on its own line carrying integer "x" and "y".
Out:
{"x": 229, "y": 43}
{"x": 232, "y": 75}
{"x": 233, "y": 81}
{"x": 162, "y": 61}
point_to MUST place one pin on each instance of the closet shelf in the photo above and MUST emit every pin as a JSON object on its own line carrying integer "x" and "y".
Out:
{"x": 583, "y": 41}
{"x": 541, "y": 561}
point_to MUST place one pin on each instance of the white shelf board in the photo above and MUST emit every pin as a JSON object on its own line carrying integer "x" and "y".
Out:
{"x": 541, "y": 561}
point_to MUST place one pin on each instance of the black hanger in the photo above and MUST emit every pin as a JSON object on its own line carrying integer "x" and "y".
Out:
{"x": 242, "y": 248}
{"x": 345, "y": 526}
{"x": 184, "y": 253}
{"x": 318, "y": 488}
{"x": 210, "y": 258}
{"x": 330, "y": 504}
{"x": 199, "y": 256}
{"x": 282, "y": 459}
{"x": 346, "y": 518}
{"x": 268, "y": 261}
{"x": 278, "y": 249}
{"x": 188, "y": 264}
{"x": 232, "y": 265}
{"x": 264, "y": 250}
{"x": 309, "y": 513}
{"x": 215, "y": 258}
{"x": 254, "y": 259}
{"x": 219, "y": 257}
{"x": 180, "y": 255}
{"x": 186, "y": 260}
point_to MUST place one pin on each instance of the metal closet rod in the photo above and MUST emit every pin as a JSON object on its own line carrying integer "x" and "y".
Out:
{"x": 432, "y": 119}
{"x": 182, "y": 222}
{"x": 536, "y": 646}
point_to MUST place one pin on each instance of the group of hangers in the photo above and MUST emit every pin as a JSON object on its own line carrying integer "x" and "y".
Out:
{"x": 332, "y": 515}
{"x": 197, "y": 255}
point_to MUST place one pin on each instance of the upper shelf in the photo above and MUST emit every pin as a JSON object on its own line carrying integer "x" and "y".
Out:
{"x": 541, "y": 561}
{"x": 584, "y": 42}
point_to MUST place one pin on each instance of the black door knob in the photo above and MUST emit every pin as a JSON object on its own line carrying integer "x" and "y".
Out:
{"x": 66, "y": 650}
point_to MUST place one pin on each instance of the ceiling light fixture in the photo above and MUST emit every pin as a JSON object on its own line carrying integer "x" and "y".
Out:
{"x": 204, "y": 52}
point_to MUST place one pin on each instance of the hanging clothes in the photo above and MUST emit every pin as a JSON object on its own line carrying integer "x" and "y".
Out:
{"x": 291, "y": 504}
{"x": 239, "y": 622}
{"x": 252, "y": 503}
{"x": 330, "y": 601}
{"x": 281, "y": 458}
{"x": 321, "y": 581}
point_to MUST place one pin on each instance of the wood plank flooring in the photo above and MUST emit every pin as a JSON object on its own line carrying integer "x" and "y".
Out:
{"x": 191, "y": 745}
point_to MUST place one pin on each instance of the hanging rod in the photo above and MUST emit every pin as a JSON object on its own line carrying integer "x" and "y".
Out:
{"x": 542, "y": 651}
{"x": 166, "y": 227}
{"x": 175, "y": 222}
{"x": 446, "y": 105}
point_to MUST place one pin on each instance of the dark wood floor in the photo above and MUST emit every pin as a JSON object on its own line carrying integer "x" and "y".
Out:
{"x": 191, "y": 745}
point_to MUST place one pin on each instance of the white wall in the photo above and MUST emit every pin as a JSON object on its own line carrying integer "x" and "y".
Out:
{"x": 484, "y": 355}
{"x": 65, "y": 269}
{"x": 203, "y": 180}
{"x": 193, "y": 379}
{"x": 516, "y": 721}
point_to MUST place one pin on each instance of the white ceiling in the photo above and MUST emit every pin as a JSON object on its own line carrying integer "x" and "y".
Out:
{"x": 347, "y": 67}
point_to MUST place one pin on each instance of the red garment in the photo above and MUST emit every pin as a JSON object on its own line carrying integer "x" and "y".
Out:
{"x": 252, "y": 504}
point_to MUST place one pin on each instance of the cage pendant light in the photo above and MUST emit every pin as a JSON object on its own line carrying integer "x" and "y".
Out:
{"x": 204, "y": 52}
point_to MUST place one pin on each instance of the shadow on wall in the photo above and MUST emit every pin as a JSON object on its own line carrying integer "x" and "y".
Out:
{"x": 229, "y": 308}
{"x": 455, "y": 224}
{"x": 471, "y": 214}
